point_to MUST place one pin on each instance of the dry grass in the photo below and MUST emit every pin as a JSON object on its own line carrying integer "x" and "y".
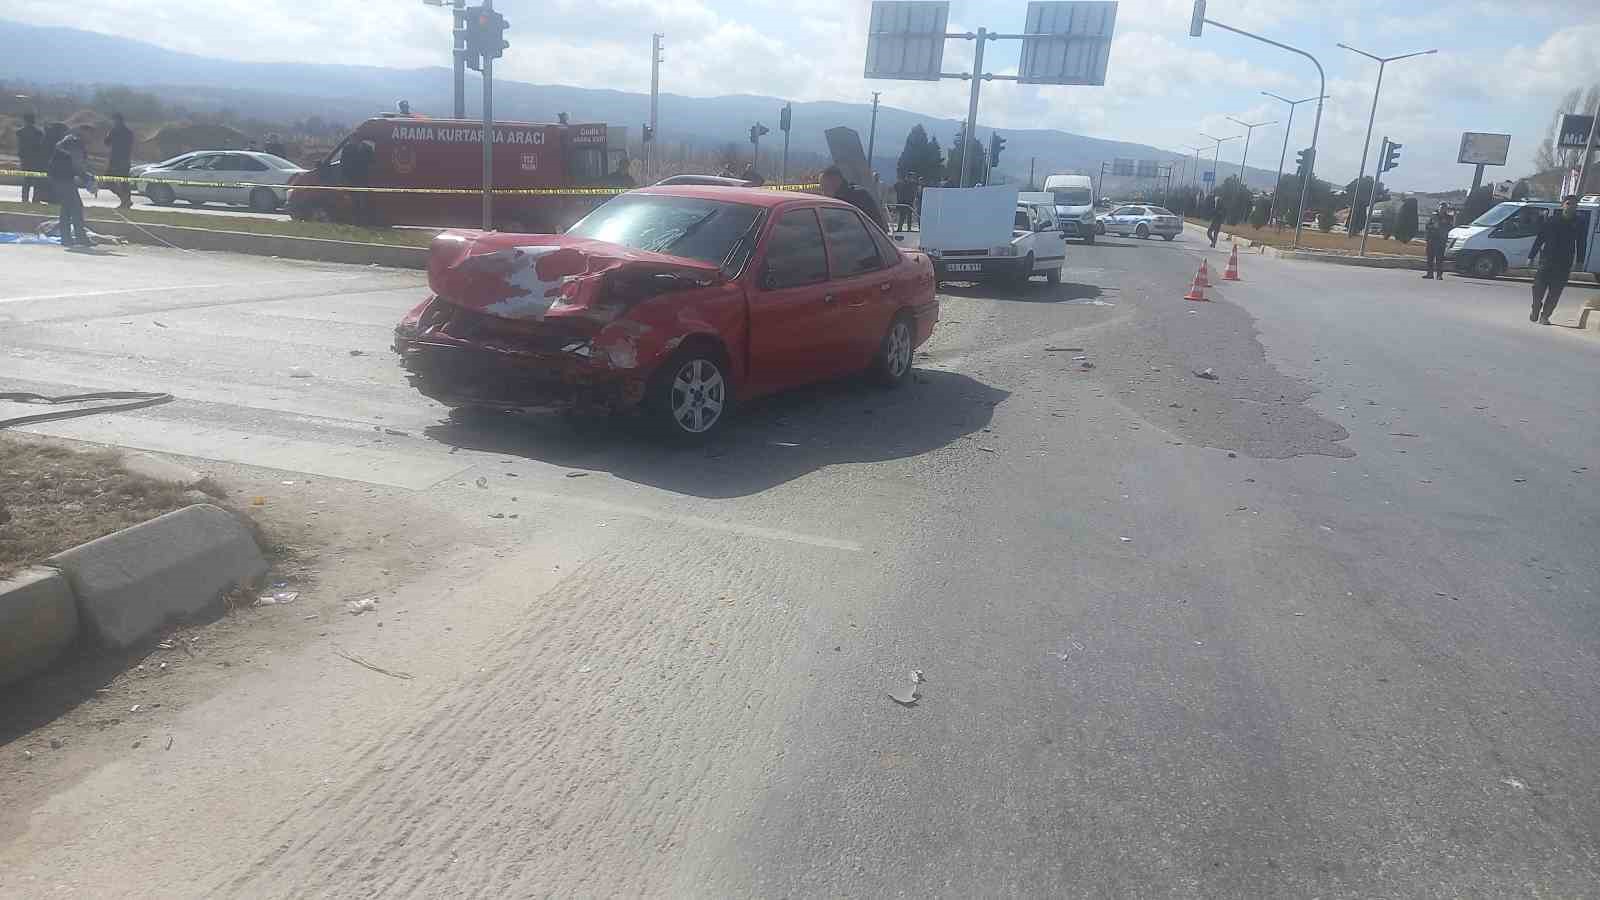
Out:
{"x": 53, "y": 499}
{"x": 1313, "y": 238}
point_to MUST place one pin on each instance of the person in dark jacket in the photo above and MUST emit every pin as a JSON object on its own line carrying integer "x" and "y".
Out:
{"x": 355, "y": 165}
{"x": 1562, "y": 240}
{"x": 905, "y": 199}
{"x": 69, "y": 164}
{"x": 33, "y": 156}
{"x": 1217, "y": 216}
{"x": 120, "y": 144}
{"x": 834, "y": 185}
{"x": 274, "y": 145}
{"x": 1436, "y": 233}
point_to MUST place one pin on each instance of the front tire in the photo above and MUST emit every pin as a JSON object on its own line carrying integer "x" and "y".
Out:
{"x": 692, "y": 394}
{"x": 1053, "y": 276}
{"x": 1088, "y": 239}
{"x": 1487, "y": 265}
{"x": 1143, "y": 232}
{"x": 1024, "y": 272}
{"x": 892, "y": 363}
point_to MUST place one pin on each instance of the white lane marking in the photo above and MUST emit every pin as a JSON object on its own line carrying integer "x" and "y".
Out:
{"x": 671, "y": 518}
{"x": 383, "y": 467}
{"x": 240, "y": 282}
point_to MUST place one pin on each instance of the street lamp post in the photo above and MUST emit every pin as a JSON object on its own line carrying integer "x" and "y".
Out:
{"x": 1216, "y": 156}
{"x": 1367, "y": 142}
{"x": 1249, "y": 128}
{"x": 1284, "y": 153}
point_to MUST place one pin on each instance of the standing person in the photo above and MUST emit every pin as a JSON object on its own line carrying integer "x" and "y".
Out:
{"x": 33, "y": 156}
{"x": 1562, "y": 240}
{"x": 1216, "y": 220}
{"x": 274, "y": 146}
{"x": 53, "y": 133}
{"x": 120, "y": 143}
{"x": 834, "y": 185}
{"x": 1436, "y": 234}
{"x": 69, "y": 163}
{"x": 905, "y": 197}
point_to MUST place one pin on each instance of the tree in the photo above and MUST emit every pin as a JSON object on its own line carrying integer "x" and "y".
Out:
{"x": 1358, "y": 201}
{"x": 1549, "y": 156}
{"x": 952, "y": 165}
{"x": 1325, "y": 219}
{"x": 1405, "y": 225}
{"x": 1258, "y": 215}
{"x": 1318, "y": 196}
{"x": 1477, "y": 203}
{"x": 920, "y": 158}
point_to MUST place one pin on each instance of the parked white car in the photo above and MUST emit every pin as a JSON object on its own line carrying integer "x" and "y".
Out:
{"x": 1142, "y": 222}
{"x": 985, "y": 233}
{"x": 237, "y": 177}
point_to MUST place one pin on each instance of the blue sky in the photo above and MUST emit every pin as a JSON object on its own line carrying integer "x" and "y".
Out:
{"x": 1501, "y": 66}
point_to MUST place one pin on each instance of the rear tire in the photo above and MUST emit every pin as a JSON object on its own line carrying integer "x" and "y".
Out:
{"x": 691, "y": 395}
{"x": 892, "y": 363}
{"x": 1143, "y": 232}
{"x": 263, "y": 200}
{"x": 1053, "y": 276}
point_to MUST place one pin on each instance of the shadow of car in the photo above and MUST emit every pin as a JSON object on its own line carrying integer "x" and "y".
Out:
{"x": 776, "y": 440}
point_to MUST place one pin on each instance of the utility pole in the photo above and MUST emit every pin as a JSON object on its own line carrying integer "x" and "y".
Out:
{"x": 652, "y": 157}
{"x": 872, "y": 132}
{"x": 785, "y": 122}
{"x": 1366, "y": 143}
{"x": 1031, "y": 161}
{"x": 1284, "y": 153}
{"x": 1584, "y": 164}
{"x": 488, "y": 137}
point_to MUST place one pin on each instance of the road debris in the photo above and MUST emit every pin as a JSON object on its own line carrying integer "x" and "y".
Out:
{"x": 299, "y": 372}
{"x": 358, "y": 353}
{"x": 1125, "y": 540}
{"x": 403, "y": 676}
{"x": 277, "y": 598}
{"x": 497, "y": 515}
{"x": 987, "y": 449}
{"x": 576, "y": 475}
{"x": 906, "y": 696}
{"x": 1206, "y": 373}
{"x": 1403, "y": 434}
{"x": 482, "y": 482}
{"x": 396, "y": 432}
{"x": 784, "y": 444}
{"x": 357, "y": 607}
{"x": 1086, "y": 365}
{"x": 1063, "y": 349}
{"x": 158, "y": 323}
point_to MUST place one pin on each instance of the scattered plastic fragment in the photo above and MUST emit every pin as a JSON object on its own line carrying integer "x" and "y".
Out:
{"x": 278, "y": 598}
{"x": 299, "y": 372}
{"x": 1205, "y": 373}
{"x": 357, "y": 607}
{"x": 482, "y": 482}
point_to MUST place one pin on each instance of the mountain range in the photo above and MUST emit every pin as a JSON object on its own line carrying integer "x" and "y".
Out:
{"x": 282, "y": 91}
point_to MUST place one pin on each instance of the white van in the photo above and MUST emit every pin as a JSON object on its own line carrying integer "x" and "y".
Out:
{"x": 1501, "y": 238}
{"x": 984, "y": 233}
{"x": 1074, "y": 199}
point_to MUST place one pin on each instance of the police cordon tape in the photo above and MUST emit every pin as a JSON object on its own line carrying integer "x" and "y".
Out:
{"x": 476, "y": 192}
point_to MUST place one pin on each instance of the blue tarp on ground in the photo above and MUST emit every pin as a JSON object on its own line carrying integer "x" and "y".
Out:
{"x": 12, "y": 237}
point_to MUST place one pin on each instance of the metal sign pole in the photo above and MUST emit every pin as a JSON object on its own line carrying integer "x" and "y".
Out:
{"x": 1584, "y": 166}
{"x": 460, "y": 19}
{"x": 972, "y": 109}
{"x": 488, "y": 138}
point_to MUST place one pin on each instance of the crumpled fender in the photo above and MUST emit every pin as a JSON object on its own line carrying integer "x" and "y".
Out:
{"x": 527, "y": 276}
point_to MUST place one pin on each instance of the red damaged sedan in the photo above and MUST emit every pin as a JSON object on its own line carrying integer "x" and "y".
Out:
{"x": 677, "y": 301}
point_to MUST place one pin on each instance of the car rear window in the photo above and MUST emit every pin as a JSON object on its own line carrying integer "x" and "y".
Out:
{"x": 705, "y": 230}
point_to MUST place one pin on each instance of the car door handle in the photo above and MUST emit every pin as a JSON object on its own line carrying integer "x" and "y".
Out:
{"x": 828, "y": 298}
{"x": 885, "y": 287}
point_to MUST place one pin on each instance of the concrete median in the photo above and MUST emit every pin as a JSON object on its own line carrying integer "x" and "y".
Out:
{"x": 131, "y": 583}
{"x": 38, "y": 619}
{"x": 284, "y": 246}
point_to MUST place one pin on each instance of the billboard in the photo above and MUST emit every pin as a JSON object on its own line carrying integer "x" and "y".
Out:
{"x": 1484, "y": 149}
{"x": 1208, "y": 177}
{"x": 1076, "y": 43}
{"x": 1122, "y": 167}
{"x": 905, "y": 39}
{"x": 1574, "y": 132}
{"x": 1148, "y": 168}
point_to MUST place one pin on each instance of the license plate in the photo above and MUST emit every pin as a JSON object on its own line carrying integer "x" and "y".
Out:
{"x": 965, "y": 267}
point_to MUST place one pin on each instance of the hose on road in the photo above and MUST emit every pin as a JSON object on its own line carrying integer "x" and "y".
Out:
{"x": 136, "y": 400}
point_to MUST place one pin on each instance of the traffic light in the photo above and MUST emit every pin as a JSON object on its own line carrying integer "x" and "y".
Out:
{"x": 493, "y": 26}
{"x": 1304, "y": 162}
{"x": 646, "y": 133}
{"x": 996, "y": 144}
{"x": 1198, "y": 21}
{"x": 784, "y": 117}
{"x": 1390, "y": 155}
{"x": 756, "y": 131}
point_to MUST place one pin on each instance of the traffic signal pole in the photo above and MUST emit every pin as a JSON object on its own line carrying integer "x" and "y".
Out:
{"x": 968, "y": 136}
{"x": 459, "y": 16}
{"x": 488, "y": 134}
{"x": 652, "y": 154}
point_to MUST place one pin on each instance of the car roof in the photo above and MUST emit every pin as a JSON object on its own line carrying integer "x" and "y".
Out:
{"x": 749, "y": 196}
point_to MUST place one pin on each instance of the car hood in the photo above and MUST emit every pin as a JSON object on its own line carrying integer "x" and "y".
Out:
{"x": 1074, "y": 212}
{"x": 539, "y": 276}
{"x": 1465, "y": 232}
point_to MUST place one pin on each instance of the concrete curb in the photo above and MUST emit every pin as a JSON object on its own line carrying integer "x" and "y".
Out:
{"x": 38, "y": 619}
{"x": 314, "y": 249}
{"x": 131, "y": 583}
{"x": 1370, "y": 262}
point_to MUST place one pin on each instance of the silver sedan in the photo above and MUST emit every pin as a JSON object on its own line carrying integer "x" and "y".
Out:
{"x": 1142, "y": 222}
{"x": 240, "y": 177}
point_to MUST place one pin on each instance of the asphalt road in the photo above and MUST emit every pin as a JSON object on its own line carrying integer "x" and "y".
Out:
{"x": 1323, "y": 626}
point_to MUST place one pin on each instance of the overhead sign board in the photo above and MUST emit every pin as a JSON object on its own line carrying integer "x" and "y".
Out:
{"x": 1122, "y": 167}
{"x": 1208, "y": 177}
{"x": 1075, "y": 44}
{"x": 1148, "y": 168}
{"x": 905, "y": 39}
{"x": 1575, "y": 132}
{"x": 1484, "y": 149}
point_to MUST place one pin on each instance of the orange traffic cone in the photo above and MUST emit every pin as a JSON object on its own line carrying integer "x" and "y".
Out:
{"x": 1197, "y": 290}
{"x": 1232, "y": 272}
{"x": 1204, "y": 277}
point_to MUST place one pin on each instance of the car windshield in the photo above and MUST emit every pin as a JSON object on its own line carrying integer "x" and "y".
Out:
{"x": 1497, "y": 214}
{"x": 705, "y": 230}
{"x": 1072, "y": 196}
